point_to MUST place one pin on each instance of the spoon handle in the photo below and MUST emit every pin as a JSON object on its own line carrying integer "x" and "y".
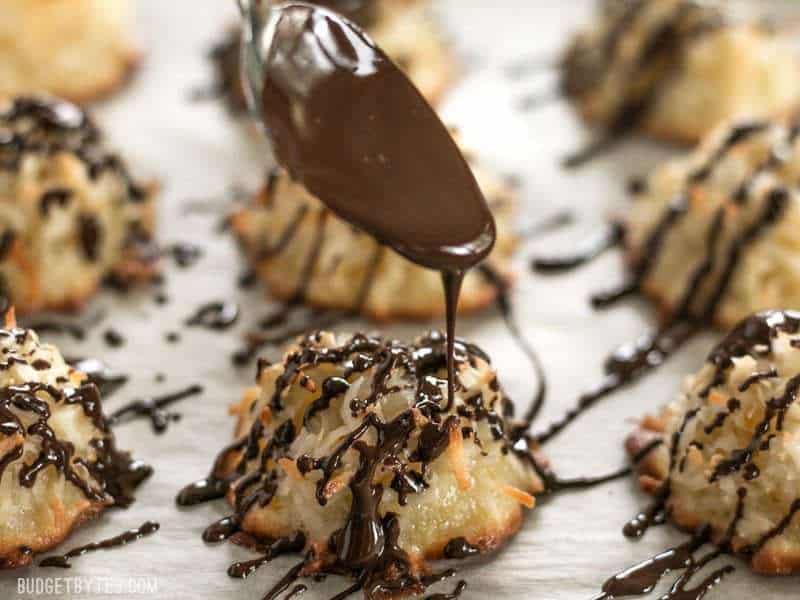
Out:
{"x": 244, "y": 7}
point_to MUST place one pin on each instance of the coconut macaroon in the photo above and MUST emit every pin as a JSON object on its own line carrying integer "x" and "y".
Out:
{"x": 59, "y": 465}
{"x": 677, "y": 68}
{"x": 75, "y": 49}
{"x": 405, "y": 29}
{"x": 70, "y": 213}
{"x": 729, "y": 457}
{"x": 352, "y": 443}
{"x": 302, "y": 251}
{"x": 713, "y": 235}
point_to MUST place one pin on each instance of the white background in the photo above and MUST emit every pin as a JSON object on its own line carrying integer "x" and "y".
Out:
{"x": 570, "y": 543}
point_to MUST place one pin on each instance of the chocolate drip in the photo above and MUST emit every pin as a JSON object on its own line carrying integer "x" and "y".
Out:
{"x": 215, "y": 315}
{"x": 296, "y": 591}
{"x": 120, "y": 474}
{"x": 625, "y": 366}
{"x": 100, "y": 374}
{"x": 739, "y": 133}
{"x": 652, "y": 250}
{"x": 291, "y": 576}
{"x": 331, "y": 388}
{"x": 63, "y": 561}
{"x": 775, "y": 531}
{"x": 596, "y": 246}
{"x": 285, "y": 545}
{"x": 154, "y": 409}
{"x": 286, "y": 235}
{"x": 460, "y": 548}
{"x": 743, "y": 457}
{"x": 114, "y": 338}
{"x": 656, "y": 513}
{"x": 642, "y": 578}
{"x": 54, "y": 197}
{"x": 506, "y": 310}
{"x": 756, "y": 377}
{"x": 679, "y": 590}
{"x": 184, "y": 254}
{"x": 222, "y": 530}
{"x": 454, "y": 595}
{"x": 554, "y": 483}
{"x": 719, "y": 420}
{"x": 90, "y": 233}
{"x": 452, "y": 280}
{"x": 212, "y": 487}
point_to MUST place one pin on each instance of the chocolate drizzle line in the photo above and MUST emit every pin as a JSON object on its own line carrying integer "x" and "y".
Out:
{"x": 184, "y": 254}
{"x": 114, "y": 338}
{"x": 215, "y": 315}
{"x": 606, "y": 240}
{"x": 113, "y": 474}
{"x": 507, "y": 311}
{"x": 287, "y": 545}
{"x": 100, "y": 374}
{"x": 63, "y": 561}
{"x": 660, "y": 55}
{"x": 642, "y": 578}
{"x": 635, "y": 359}
{"x": 154, "y": 409}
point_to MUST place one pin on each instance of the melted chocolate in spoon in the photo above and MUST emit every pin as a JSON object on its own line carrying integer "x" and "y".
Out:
{"x": 400, "y": 177}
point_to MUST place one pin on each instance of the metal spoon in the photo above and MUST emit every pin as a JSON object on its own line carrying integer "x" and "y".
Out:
{"x": 259, "y": 19}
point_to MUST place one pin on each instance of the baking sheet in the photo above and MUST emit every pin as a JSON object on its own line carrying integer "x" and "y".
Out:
{"x": 571, "y": 543}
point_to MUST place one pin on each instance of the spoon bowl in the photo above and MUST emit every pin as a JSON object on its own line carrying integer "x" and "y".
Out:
{"x": 258, "y": 18}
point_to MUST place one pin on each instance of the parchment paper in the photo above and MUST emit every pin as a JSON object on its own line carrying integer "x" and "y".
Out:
{"x": 570, "y": 544}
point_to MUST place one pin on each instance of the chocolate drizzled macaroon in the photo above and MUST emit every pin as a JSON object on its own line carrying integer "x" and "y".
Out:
{"x": 351, "y": 442}
{"x": 712, "y": 236}
{"x": 70, "y": 213}
{"x": 730, "y": 446}
{"x": 677, "y": 68}
{"x": 59, "y": 465}
{"x": 294, "y": 242}
{"x": 405, "y": 29}
{"x": 75, "y": 49}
